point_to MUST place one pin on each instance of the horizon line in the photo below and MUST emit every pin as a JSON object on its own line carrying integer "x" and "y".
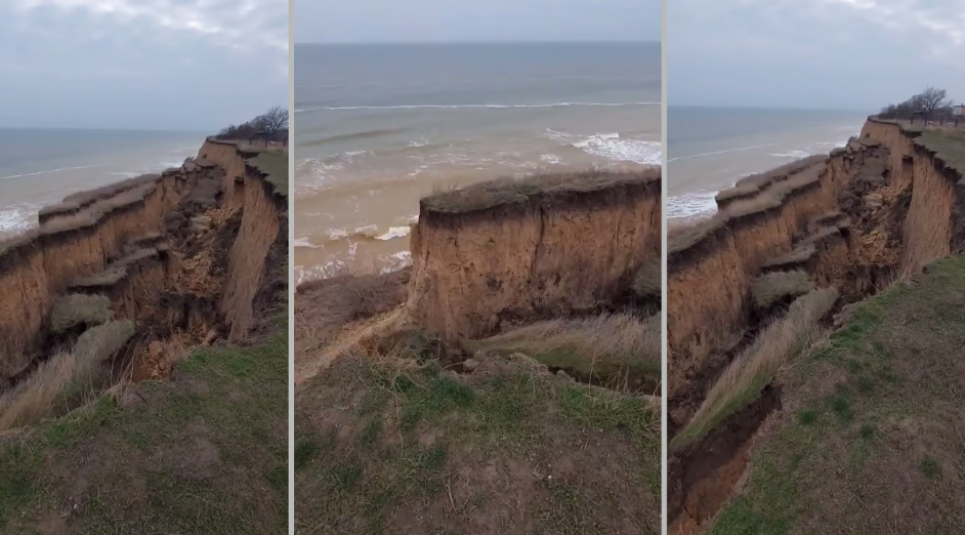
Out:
{"x": 481, "y": 42}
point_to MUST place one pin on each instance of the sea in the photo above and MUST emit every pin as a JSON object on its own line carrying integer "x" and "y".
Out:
{"x": 377, "y": 127}
{"x": 39, "y": 167}
{"x": 710, "y": 148}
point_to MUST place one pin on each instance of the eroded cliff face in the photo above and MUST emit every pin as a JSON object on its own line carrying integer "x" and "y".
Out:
{"x": 882, "y": 207}
{"x": 550, "y": 254}
{"x": 157, "y": 246}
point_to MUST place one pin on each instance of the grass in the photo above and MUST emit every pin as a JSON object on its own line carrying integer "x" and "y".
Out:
{"x": 390, "y": 446}
{"x": 79, "y": 309}
{"x": 873, "y": 436}
{"x": 505, "y": 191}
{"x": 274, "y": 164}
{"x": 617, "y": 348}
{"x": 647, "y": 282}
{"x": 758, "y": 365}
{"x": 773, "y": 287}
{"x": 203, "y": 453}
{"x": 66, "y": 379}
{"x": 946, "y": 144}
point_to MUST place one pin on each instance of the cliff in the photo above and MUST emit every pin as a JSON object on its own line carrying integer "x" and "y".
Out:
{"x": 130, "y": 240}
{"x": 547, "y": 246}
{"x": 882, "y": 207}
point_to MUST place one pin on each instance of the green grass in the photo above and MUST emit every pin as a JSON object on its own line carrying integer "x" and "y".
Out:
{"x": 402, "y": 448}
{"x": 875, "y": 444}
{"x": 947, "y": 145}
{"x": 274, "y": 163}
{"x": 203, "y": 453}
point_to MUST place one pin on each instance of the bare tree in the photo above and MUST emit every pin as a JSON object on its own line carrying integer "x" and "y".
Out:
{"x": 273, "y": 122}
{"x": 932, "y": 99}
{"x": 928, "y": 103}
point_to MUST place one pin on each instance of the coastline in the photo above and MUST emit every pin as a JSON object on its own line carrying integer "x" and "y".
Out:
{"x": 41, "y": 166}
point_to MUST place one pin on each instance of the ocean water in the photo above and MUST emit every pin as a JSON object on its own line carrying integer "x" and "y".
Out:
{"x": 709, "y": 149}
{"x": 379, "y": 126}
{"x": 41, "y": 166}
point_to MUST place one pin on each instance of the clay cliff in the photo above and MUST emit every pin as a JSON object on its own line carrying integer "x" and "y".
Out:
{"x": 877, "y": 210}
{"x": 503, "y": 252}
{"x": 185, "y": 250}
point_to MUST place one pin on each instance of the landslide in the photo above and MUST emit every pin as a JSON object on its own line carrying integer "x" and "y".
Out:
{"x": 161, "y": 363}
{"x": 891, "y": 205}
{"x": 412, "y": 416}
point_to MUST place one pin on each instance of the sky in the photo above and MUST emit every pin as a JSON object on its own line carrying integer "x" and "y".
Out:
{"x": 394, "y": 21}
{"x": 141, "y": 64}
{"x": 832, "y": 54}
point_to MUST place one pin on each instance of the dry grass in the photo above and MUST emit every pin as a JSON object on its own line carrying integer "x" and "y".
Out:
{"x": 606, "y": 346}
{"x": 757, "y": 366}
{"x": 648, "y": 282}
{"x": 61, "y": 381}
{"x": 798, "y": 255}
{"x": 484, "y": 195}
{"x": 324, "y": 306}
{"x": 80, "y": 309}
{"x": 772, "y": 287}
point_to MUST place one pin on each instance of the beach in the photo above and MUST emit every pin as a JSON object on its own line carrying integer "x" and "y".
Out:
{"x": 711, "y": 148}
{"x": 379, "y": 127}
{"x": 42, "y": 166}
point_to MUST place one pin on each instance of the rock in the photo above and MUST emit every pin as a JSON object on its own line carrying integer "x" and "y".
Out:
{"x": 200, "y": 223}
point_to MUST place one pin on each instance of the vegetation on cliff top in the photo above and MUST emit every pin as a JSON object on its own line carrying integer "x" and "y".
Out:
{"x": 881, "y": 408}
{"x": 489, "y": 194}
{"x": 273, "y": 123}
{"x": 396, "y": 446}
{"x": 205, "y": 452}
{"x": 932, "y": 103}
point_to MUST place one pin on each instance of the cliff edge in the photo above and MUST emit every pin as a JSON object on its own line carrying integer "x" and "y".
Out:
{"x": 755, "y": 285}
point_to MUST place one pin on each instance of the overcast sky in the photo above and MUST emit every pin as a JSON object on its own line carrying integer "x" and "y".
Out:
{"x": 141, "y": 64}
{"x": 847, "y": 54}
{"x": 394, "y": 21}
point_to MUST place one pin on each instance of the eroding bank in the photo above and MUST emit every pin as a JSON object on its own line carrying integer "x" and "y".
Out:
{"x": 851, "y": 223}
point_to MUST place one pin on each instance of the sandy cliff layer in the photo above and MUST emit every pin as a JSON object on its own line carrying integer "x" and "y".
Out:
{"x": 510, "y": 251}
{"x": 117, "y": 240}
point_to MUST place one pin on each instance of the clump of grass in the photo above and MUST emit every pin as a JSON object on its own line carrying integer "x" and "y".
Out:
{"x": 599, "y": 345}
{"x": 647, "y": 282}
{"x": 79, "y": 309}
{"x": 757, "y": 366}
{"x": 771, "y": 288}
{"x": 61, "y": 379}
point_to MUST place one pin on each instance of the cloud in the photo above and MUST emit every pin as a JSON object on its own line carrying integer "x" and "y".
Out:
{"x": 244, "y": 25}
{"x": 823, "y": 53}
{"x": 141, "y": 63}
